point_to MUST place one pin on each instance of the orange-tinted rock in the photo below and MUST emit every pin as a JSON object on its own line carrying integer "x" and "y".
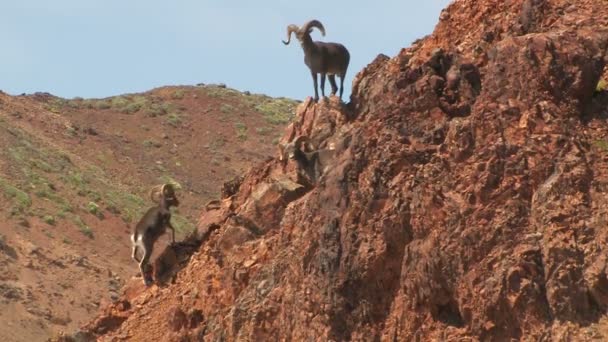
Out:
{"x": 467, "y": 199}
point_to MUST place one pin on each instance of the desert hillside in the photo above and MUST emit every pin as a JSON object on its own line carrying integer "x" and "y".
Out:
{"x": 464, "y": 200}
{"x": 75, "y": 176}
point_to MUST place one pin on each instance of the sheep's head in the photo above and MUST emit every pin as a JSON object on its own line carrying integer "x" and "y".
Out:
{"x": 166, "y": 191}
{"x": 289, "y": 151}
{"x": 304, "y": 31}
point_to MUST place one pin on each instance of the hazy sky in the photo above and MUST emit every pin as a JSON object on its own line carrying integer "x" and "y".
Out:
{"x": 99, "y": 48}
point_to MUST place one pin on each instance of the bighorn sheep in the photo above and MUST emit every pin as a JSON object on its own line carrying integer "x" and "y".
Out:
{"x": 152, "y": 225}
{"x": 329, "y": 59}
{"x": 313, "y": 162}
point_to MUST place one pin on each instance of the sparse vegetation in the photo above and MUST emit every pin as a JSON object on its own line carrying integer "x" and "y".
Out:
{"x": 601, "y": 144}
{"x": 53, "y": 185}
{"x": 119, "y": 102}
{"x": 20, "y": 200}
{"x": 220, "y": 92}
{"x": 131, "y": 108}
{"x": 71, "y": 131}
{"x": 135, "y": 105}
{"x": 241, "y": 130}
{"x": 61, "y": 214}
{"x": 174, "y": 119}
{"x": 87, "y": 231}
{"x": 263, "y": 130}
{"x": 42, "y": 165}
{"x": 84, "y": 229}
{"x": 217, "y": 143}
{"x": 50, "y": 220}
{"x": 94, "y": 209}
{"x": 43, "y": 189}
{"x": 101, "y": 104}
{"x": 183, "y": 227}
{"x": 77, "y": 180}
{"x": 94, "y": 195}
{"x": 277, "y": 111}
{"x": 131, "y": 206}
{"x": 37, "y": 163}
{"x": 178, "y": 94}
{"x": 67, "y": 208}
{"x": 151, "y": 143}
{"x": 158, "y": 109}
{"x": 128, "y": 104}
{"x": 55, "y": 106}
{"x": 104, "y": 157}
{"x": 226, "y": 108}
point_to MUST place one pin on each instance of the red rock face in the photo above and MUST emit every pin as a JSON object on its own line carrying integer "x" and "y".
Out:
{"x": 465, "y": 199}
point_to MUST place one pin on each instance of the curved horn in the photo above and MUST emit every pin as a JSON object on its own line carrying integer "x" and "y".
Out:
{"x": 313, "y": 23}
{"x": 302, "y": 139}
{"x": 290, "y": 29}
{"x": 155, "y": 193}
{"x": 168, "y": 188}
{"x": 298, "y": 140}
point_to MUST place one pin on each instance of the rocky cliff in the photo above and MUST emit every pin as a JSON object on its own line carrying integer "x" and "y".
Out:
{"x": 466, "y": 198}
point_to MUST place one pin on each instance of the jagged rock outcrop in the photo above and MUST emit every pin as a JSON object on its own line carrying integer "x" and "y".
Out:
{"x": 467, "y": 199}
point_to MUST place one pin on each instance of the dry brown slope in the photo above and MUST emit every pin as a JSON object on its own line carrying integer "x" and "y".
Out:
{"x": 199, "y": 136}
{"x": 74, "y": 176}
{"x": 467, "y": 200}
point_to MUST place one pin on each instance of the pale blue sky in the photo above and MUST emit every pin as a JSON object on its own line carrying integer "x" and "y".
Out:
{"x": 99, "y": 48}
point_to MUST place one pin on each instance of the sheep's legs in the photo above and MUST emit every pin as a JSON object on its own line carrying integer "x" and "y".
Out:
{"x": 134, "y": 254}
{"x": 323, "y": 85}
{"x": 314, "y": 78}
{"x": 332, "y": 81}
{"x": 341, "y": 85}
{"x": 143, "y": 264}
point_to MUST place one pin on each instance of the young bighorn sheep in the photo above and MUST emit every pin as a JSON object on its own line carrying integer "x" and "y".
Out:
{"x": 313, "y": 162}
{"x": 329, "y": 59}
{"x": 152, "y": 225}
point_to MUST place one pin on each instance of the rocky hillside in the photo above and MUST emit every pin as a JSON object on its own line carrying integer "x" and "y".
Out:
{"x": 75, "y": 176}
{"x": 466, "y": 200}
